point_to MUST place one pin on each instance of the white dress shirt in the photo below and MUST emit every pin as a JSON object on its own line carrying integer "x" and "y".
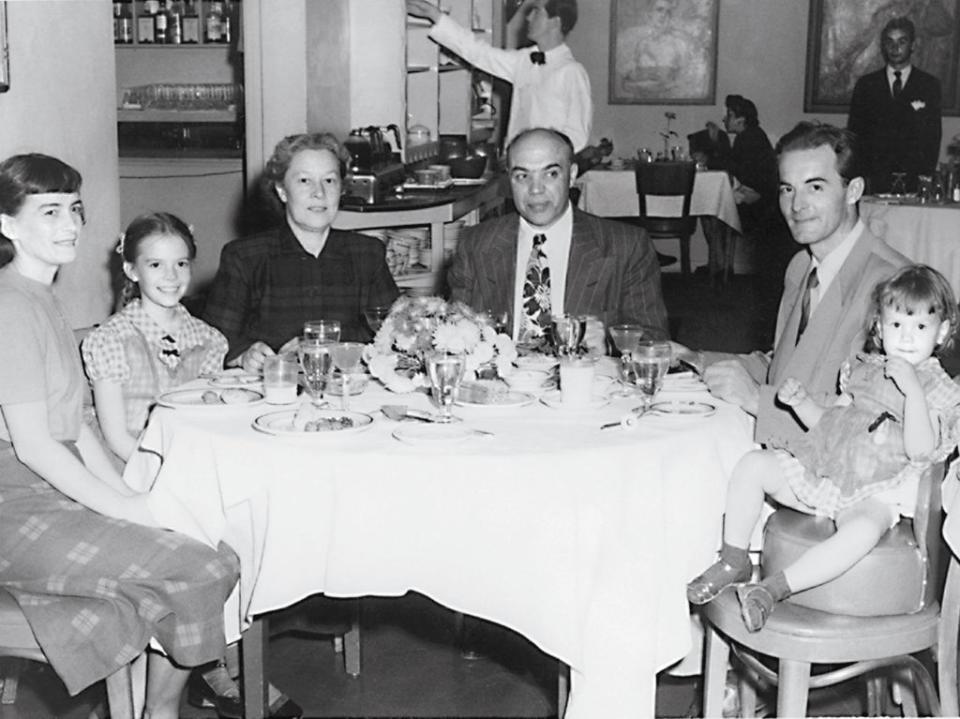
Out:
{"x": 904, "y": 74}
{"x": 555, "y": 94}
{"x": 557, "y": 250}
{"x": 829, "y": 267}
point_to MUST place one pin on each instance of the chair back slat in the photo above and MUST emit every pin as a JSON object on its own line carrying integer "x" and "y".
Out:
{"x": 665, "y": 179}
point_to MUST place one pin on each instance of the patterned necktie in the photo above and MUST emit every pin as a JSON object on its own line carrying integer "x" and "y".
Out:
{"x": 536, "y": 289}
{"x": 812, "y": 283}
{"x": 897, "y": 84}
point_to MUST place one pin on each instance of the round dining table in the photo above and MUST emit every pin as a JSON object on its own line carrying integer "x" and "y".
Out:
{"x": 581, "y": 539}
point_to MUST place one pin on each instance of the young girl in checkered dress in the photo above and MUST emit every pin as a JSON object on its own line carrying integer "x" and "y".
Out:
{"x": 861, "y": 460}
{"x": 153, "y": 343}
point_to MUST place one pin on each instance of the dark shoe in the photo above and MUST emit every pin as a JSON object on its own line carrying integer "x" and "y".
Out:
{"x": 756, "y": 603}
{"x": 285, "y": 708}
{"x": 665, "y": 260}
{"x": 718, "y": 577}
{"x": 201, "y": 694}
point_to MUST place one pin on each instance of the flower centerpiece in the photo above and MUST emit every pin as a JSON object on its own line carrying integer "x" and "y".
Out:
{"x": 417, "y": 325}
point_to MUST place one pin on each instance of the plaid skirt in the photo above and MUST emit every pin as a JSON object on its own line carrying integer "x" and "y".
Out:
{"x": 95, "y": 589}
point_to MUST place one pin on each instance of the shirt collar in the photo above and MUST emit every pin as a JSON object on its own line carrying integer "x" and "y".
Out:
{"x": 829, "y": 267}
{"x": 904, "y": 74}
{"x": 187, "y": 337}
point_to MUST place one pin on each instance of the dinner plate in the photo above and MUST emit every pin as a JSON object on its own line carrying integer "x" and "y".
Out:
{"x": 280, "y": 423}
{"x": 537, "y": 361}
{"x": 432, "y": 434}
{"x": 212, "y": 398}
{"x": 509, "y": 399}
{"x": 553, "y": 399}
{"x": 235, "y": 379}
{"x": 683, "y": 382}
{"x": 680, "y": 409}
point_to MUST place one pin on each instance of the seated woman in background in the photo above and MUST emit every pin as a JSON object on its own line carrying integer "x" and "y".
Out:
{"x": 149, "y": 346}
{"x": 94, "y": 576}
{"x": 269, "y": 284}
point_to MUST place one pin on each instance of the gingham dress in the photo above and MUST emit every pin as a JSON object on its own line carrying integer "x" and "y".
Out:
{"x": 856, "y": 451}
{"x": 94, "y": 589}
{"x": 133, "y": 351}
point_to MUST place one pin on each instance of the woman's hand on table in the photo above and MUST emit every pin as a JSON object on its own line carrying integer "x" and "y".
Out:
{"x": 252, "y": 358}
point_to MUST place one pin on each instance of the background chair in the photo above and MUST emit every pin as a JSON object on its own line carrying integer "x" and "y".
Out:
{"x": 670, "y": 184}
{"x": 17, "y": 640}
{"x": 878, "y": 646}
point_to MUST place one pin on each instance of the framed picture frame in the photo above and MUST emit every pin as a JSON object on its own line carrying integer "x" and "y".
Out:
{"x": 663, "y": 52}
{"x": 4, "y": 50}
{"x": 844, "y": 43}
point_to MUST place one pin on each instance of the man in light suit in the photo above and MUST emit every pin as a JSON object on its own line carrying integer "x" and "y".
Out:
{"x": 597, "y": 267}
{"x": 895, "y": 113}
{"x": 820, "y": 187}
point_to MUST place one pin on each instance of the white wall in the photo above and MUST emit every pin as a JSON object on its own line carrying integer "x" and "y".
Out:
{"x": 61, "y": 102}
{"x": 762, "y": 55}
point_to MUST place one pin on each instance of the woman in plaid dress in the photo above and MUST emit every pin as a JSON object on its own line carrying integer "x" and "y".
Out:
{"x": 861, "y": 461}
{"x": 79, "y": 551}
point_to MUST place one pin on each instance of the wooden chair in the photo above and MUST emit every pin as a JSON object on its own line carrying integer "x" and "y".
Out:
{"x": 880, "y": 646}
{"x": 662, "y": 180}
{"x": 17, "y": 640}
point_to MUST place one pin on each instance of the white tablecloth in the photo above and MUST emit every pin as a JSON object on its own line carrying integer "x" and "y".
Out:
{"x": 613, "y": 193}
{"x": 929, "y": 234}
{"x": 581, "y": 540}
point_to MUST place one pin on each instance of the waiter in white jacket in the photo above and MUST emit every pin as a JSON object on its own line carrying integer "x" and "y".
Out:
{"x": 550, "y": 88}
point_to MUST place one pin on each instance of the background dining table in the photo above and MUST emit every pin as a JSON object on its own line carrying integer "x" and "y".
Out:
{"x": 580, "y": 539}
{"x": 609, "y": 192}
{"x": 924, "y": 232}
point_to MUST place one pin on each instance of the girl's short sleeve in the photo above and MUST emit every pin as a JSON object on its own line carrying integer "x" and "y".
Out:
{"x": 23, "y": 378}
{"x": 104, "y": 357}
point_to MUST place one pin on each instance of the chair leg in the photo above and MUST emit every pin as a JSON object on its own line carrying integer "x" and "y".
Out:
{"x": 716, "y": 656}
{"x": 876, "y": 689}
{"x": 10, "y": 682}
{"x": 253, "y": 659}
{"x": 351, "y": 644}
{"x": 949, "y": 630}
{"x": 748, "y": 696}
{"x": 685, "y": 255}
{"x": 794, "y": 688}
{"x": 730, "y": 250}
{"x": 563, "y": 688}
{"x": 904, "y": 694}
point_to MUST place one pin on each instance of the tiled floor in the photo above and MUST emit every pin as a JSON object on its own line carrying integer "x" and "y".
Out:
{"x": 411, "y": 664}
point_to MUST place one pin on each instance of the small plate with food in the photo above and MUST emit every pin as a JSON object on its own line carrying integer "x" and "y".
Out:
{"x": 209, "y": 397}
{"x": 311, "y": 421}
{"x": 235, "y": 378}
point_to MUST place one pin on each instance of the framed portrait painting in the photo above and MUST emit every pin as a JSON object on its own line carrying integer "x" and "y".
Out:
{"x": 4, "y": 50}
{"x": 663, "y": 52}
{"x": 844, "y": 43}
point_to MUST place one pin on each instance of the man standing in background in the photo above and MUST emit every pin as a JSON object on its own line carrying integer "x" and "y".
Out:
{"x": 895, "y": 114}
{"x": 550, "y": 88}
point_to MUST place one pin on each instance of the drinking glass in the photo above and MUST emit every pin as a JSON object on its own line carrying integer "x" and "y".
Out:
{"x": 346, "y": 357}
{"x": 316, "y": 361}
{"x": 568, "y": 332}
{"x": 650, "y": 362}
{"x": 626, "y": 336}
{"x": 445, "y": 370}
{"x": 375, "y": 317}
{"x": 322, "y": 330}
{"x": 899, "y": 184}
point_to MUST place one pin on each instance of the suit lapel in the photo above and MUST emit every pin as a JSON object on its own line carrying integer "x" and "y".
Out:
{"x": 498, "y": 267}
{"x": 587, "y": 265}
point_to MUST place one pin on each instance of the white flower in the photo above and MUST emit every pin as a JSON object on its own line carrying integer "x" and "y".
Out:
{"x": 918, "y": 105}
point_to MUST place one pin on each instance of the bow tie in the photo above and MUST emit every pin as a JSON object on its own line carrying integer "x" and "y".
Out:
{"x": 538, "y": 58}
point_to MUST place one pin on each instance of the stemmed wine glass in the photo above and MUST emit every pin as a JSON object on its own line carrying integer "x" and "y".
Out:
{"x": 445, "y": 370}
{"x": 648, "y": 368}
{"x": 315, "y": 360}
{"x": 346, "y": 358}
{"x": 898, "y": 186}
{"x": 375, "y": 317}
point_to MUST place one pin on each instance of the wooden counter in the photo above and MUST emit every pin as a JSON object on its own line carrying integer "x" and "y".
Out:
{"x": 425, "y": 207}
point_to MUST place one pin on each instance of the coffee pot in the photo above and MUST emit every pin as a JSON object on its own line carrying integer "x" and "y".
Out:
{"x": 368, "y": 148}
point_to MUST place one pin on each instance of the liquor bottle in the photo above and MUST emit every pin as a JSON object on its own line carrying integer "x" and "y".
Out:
{"x": 124, "y": 23}
{"x": 227, "y": 22}
{"x": 191, "y": 24}
{"x": 214, "y": 24}
{"x": 161, "y": 24}
{"x": 145, "y": 23}
{"x": 116, "y": 21}
{"x": 174, "y": 22}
